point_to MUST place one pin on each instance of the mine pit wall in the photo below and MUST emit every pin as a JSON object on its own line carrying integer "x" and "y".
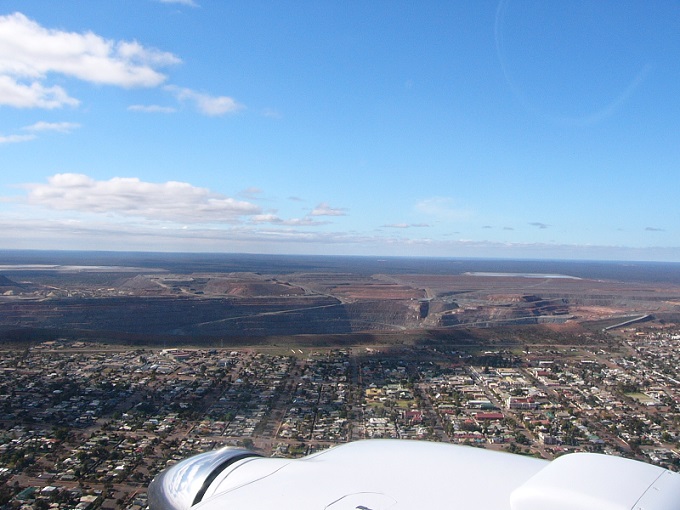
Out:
{"x": 548, "y": 319}
{"x": 610, "y": 299}
{"x": 383, "y": 315}
{"x": 223, "y": 317}
{"x": 320, "y": 322}
{"x": 231, "y": 317}
{"x": 424, "y": 309}
{"x": 296, "y": 315}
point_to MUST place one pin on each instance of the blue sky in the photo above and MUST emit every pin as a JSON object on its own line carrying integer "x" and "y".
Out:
{"x": 520, "y": 129}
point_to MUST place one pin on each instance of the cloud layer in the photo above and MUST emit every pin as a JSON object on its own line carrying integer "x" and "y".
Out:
{"x": 152, "y": 108}
{"x": 323, "y": 209}
{"x": 39, "y": 127}
{"x": 16, "y": 139}
{"x": 189, "y": 3}
{"x": 204, "y": 103}
{"x": 56, "y": 233}
{"x": 168, "y": 201}
{"x": 30, "y": 55}
{"x": 441, "y": 208}
{"x": 30, "y": 52}
{"x": 406, "y": 225}
{"x": 59, "y": 127}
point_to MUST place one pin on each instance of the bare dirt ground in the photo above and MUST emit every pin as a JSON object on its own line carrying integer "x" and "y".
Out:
{"x": 258, "y": 304}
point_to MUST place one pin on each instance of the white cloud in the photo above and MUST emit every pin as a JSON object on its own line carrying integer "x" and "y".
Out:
{"x": 406, "y": 225}
{"x": 442, "y": 208}
{"x": 304, "y": 222}
{"x": 323, "y": 209}
{"x": 250, "y": 193}
{"x": 271, "y": 113}
{"x": 60, "y": 127}
{"x": 189, "y": 3}
{"x": 168, "y": 201}
{"x": 35, "y": 95}
{"x": 152, "y": 108}
{"x": 22, "y": 230}
{"x": 173, "y": 204}
{"x": 30, "y": 52}
{"x": 209, "y": 105}
{"x": 265, "y": 218}
{"x": 39, "y": 127}
{"x": 16, "y": 139}
{"x": 292, "y": 222}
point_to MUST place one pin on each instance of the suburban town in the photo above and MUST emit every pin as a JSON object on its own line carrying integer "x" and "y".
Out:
{"x": 88, "y": 425}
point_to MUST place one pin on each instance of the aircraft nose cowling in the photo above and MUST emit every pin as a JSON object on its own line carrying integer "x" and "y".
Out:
{"x": 183, "y": 485}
